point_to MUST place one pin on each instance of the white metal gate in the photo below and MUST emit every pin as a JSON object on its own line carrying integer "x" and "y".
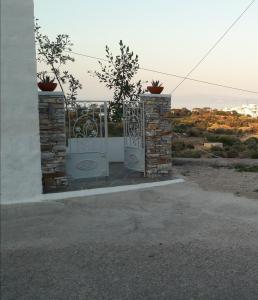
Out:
{"x": 87, "y": 127}
{"x": 134, "y": 137}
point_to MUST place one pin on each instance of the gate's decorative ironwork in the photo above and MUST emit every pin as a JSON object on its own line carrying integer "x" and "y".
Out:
{"x": 134, "y": 138}
{"x": 87, "y": 140}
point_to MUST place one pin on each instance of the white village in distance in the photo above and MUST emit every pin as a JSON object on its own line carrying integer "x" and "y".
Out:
{"x": 245, "y": 109}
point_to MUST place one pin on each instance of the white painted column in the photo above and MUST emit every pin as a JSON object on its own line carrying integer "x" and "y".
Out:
{"x": 20, "y": 146}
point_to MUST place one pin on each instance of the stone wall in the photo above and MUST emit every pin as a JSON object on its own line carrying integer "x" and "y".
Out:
{"x": 157, "y": 134}
{"x": 52, "y": 140}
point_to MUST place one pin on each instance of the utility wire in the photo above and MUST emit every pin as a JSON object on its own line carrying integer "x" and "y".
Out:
{"x": 214, "y": 46}
{"x": 173, "y": 75}
{"x": 89, "y": 56}
{"x": 202, "y": 81}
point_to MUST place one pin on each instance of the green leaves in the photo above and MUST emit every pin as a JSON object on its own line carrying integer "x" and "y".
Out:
{"x": 55, "y": 54}
{"x": 44, "y": 77}
{"x": 156, "y": 83}
{"x": 117, "y": 74}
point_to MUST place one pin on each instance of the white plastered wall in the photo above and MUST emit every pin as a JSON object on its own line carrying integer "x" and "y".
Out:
{"x": 20, "y": 146}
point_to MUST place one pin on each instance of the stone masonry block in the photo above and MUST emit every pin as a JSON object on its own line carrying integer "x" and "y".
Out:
{"x": 52, "y": 138}
{"x": 157, "y": 134}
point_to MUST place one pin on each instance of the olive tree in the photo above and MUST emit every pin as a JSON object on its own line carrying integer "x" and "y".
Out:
{"x": 55, "y": 54}
{"x": 117, "y": 74}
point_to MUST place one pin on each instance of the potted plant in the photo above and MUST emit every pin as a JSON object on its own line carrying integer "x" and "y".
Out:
{"x": 155, "y": 87}
{"x": 46, "y": 83}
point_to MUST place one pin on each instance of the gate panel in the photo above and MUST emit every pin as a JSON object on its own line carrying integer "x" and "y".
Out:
{"x": 134, "y": 137}
{"x": 87, "y": 143}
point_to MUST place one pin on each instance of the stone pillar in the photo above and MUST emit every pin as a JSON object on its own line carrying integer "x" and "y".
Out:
{"x": 52, "y": 139}
{"x": 20, "y": 147}
{"x": 157, "y": 134}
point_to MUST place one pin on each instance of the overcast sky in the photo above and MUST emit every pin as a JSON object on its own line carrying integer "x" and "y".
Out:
{"x": 169, "y": 36}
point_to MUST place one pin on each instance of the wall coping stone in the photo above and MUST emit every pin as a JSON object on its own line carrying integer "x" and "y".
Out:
{"x": 156, "y": 95}
{"x": 53, "y": 94}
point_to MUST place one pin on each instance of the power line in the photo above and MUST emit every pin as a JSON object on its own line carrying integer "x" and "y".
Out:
{"x": 173, "y": 75}
{"x": 202, "y": 81}
{"x": 214, "y": 46}
{"x": 89, "y": 56}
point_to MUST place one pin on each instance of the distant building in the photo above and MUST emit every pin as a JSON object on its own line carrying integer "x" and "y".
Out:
{"x": 201, "y": 109}
{"x": 249, "y": 109}
{"x": 210, "y": 145}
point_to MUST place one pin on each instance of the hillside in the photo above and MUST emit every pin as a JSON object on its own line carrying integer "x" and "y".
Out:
{"x": 237, "y": 133}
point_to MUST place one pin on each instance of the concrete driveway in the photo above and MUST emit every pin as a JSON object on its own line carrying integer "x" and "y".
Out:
{"x": 173, "y": 242}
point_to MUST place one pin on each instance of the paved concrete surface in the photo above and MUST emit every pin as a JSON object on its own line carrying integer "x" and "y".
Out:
{"x": 172, "y": 242}
{"x": 118, "y": 175}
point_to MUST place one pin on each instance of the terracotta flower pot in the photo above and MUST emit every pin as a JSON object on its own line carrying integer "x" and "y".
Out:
{"x": 47, "y": 87}
{"x": 155, "y": 89}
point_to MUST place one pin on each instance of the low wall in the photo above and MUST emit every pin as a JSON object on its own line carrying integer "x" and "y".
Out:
{"x": 215, "y": 162}
{"x": 116, "y": 149}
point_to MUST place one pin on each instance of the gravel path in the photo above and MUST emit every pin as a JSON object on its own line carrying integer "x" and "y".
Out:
{"x": 223, "y": 179}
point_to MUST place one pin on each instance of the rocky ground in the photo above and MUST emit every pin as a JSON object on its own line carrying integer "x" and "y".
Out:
{"x": 220, "y": 176}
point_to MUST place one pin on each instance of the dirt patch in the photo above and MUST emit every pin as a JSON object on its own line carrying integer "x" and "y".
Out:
{"x": 221, "y": 179}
